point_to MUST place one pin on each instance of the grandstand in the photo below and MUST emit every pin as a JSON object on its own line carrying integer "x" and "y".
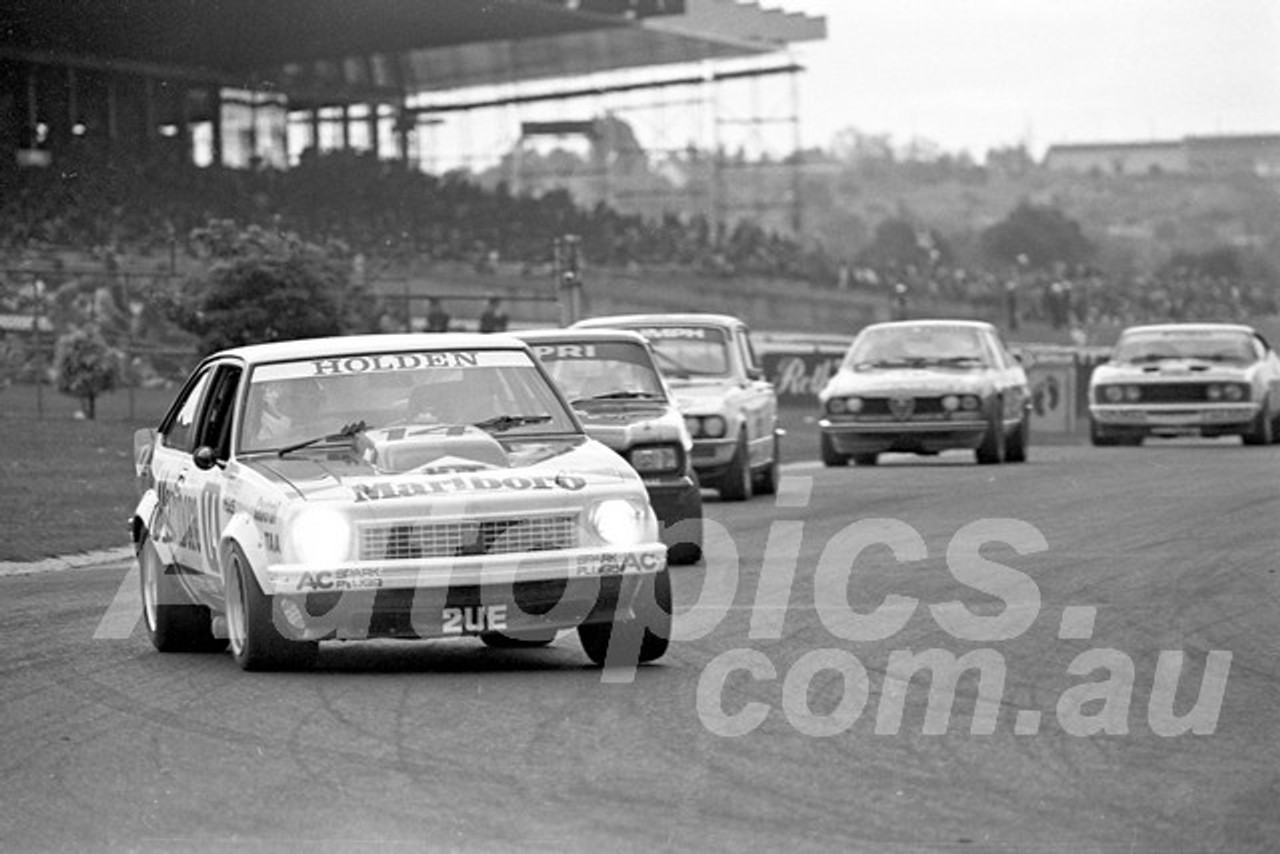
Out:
{"x": 124, "y": 124}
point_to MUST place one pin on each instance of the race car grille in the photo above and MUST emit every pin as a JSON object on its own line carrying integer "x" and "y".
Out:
{"x": 884, "y": 407}
{"x": 1174, "y": 392}
{"x": 468, "y": 537}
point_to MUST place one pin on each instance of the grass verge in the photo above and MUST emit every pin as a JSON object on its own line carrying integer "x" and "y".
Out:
{"x": 67, "y": 484}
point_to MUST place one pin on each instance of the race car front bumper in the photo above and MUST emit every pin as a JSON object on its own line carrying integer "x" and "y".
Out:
{"x": 874, "y": 437}
{"x": 462, "y": 596}
{"x": 1176, "y": 418}
{"x": 677, "y": 502}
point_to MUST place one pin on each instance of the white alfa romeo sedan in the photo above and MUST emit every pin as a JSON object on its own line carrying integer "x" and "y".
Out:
{"x": 923, "y": 387}
{"x": 397, "y": 486}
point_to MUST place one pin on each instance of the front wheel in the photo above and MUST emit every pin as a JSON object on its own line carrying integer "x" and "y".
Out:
{"x": 256, "y": 643}
{"x": 1015, "y": 450}
{"x": 174, "y": 623}
{"x": 641, "y": 639}
{"x": 831, "y": 458}
{"x": 737, "y": 483}
{"x": 767, "y": 481}
{"x": 1261, "y": 432}
{"x": 991, "y": 451}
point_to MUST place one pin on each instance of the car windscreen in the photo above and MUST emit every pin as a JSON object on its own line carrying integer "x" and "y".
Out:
{"x": 601, "y": 370}
{"x": 915, "y": 346}
{"x": 1208, "y": 345}
{"x": 689, "y": 351}
{"x": 303, "y": 400}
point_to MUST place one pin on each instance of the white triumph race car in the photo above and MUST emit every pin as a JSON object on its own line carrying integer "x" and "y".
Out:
{"x": 402, "y": 486}
{"x": 1205, "y": 379}
{"x": 729, "y": 406}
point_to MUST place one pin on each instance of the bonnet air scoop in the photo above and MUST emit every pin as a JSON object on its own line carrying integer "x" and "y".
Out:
{"x": 451, "y": 447}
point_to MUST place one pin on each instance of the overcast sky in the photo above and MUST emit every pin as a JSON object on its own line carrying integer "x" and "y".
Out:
{"x": 973, "y": 74}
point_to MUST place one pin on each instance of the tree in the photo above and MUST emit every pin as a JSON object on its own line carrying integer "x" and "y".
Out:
{"x": 1042, "y": 234}
{"x": 261, "y": 286}
{"x": 898, "y": 242}
{"x": 86, "y": 366}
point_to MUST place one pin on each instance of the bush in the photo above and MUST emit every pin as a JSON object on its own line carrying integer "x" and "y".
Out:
{"x": 86, "y": 366}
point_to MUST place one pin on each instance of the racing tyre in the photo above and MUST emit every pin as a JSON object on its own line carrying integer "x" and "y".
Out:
{"x": 522, "y": 640}
{"x": 831, "y": 458}
{"x": 1015, "y": 449}
{"x": 1261, "y": 431}
{"x": 865, "y": 459}
{"x": 991, "y": 451}
{"x": 737, "y": 485}
{"x": 647, "y": 634}
{"x": 766, "y": 482}
{"x": 1099, "y": 438}
{"x": 174, "y": 622}
{"x": 256, "y": 644}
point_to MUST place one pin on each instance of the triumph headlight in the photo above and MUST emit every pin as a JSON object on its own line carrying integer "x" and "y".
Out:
{"x": 714, "y": 427}
{"x": 321, "y": 535}
{"x": 619, "y": 522}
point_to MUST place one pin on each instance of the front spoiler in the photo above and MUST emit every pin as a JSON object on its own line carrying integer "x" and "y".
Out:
{"x": 481, "y": 570}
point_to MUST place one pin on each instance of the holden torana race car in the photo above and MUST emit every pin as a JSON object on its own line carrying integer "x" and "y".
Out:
{"x": 720, "y": 387}
{"x": 1206, "y": 379}
{"x": 922, "y": 387}
{"x": 609, "y": 378}
{"x": 401, "y": 486}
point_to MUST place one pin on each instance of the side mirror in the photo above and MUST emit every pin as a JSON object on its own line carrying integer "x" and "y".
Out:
{"x": 205, "y": 457}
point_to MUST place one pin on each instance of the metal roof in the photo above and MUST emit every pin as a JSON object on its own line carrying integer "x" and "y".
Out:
{"x": 367, "y": 47}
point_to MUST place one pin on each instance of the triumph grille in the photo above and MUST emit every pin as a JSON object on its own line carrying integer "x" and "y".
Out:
{"x": 468, "y": 537}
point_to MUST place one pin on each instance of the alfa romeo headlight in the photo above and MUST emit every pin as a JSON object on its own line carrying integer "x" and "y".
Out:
{"x": 1113, "y": 393}
{"x": 619, "y": 522}
{"x": 321, "y": 535}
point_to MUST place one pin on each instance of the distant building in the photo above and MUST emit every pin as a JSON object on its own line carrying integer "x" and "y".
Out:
{"x": 1192, "y": 155}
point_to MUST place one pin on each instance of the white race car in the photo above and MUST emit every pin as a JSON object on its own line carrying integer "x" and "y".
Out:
{"x": 719, "y": 384}
{"x": 923, "y": 387}
{"x": 403, "y": 486}
{"x": 1205, "y": 379}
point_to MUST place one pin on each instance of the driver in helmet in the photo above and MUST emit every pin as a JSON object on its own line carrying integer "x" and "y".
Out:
{"x": 289, "y": 408}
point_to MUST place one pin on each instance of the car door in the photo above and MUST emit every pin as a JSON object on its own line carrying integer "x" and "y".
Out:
{"x": 176, "y": 522}
{"x": 190, "y": 515}
{"x": 760, "y": 405}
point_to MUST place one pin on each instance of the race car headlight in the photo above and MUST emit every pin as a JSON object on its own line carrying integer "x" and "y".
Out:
{"x": 970, "y": 402}
{"x": 619, "y": 522}
{"x": 1132, "y": 393}
{"x": 836, "y": 406}
{"x": 1232, "y": 391}
{"x": 655, "y": 458}
{"x": 1214, "y": 392}
{"x": 1113, "y": 393}
{"x": 951, "y": 402}
{"x": 714, "y": 427}
{"x": 321, "y": 535}
{"x": 694, "y": 425}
